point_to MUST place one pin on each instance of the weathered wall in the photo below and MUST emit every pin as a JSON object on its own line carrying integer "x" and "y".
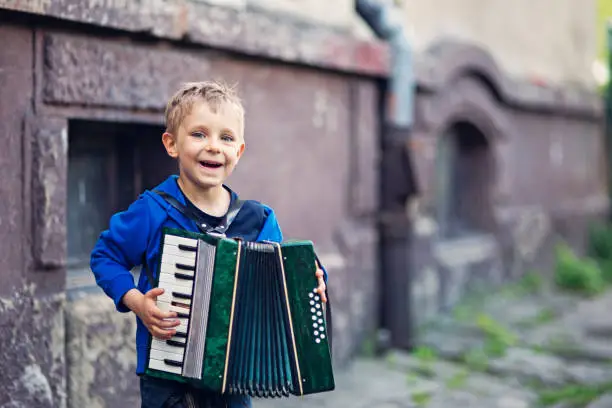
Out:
{"x": 31, "y": 295}
{"x": 296, "y": 116}
{"x": 551, "y": 39}
{"x": 544, "y": 171}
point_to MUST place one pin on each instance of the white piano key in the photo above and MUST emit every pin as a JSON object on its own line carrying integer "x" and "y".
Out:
{"x": 161, "y": 345}
{"x": 183, "y": 326}
{"x": 176, "y": 251}
{"x": 167, "y": 307}
{"x": 172, "y": 269}
{"x": 172, "y": 280}
{"x": 161, "y": 366}
{"x": 183, "y": 323}
{"x": 168, "y": 298}
{"x": 175, "y": 240}
{"x": 160, "y": 355}
{"x": 175, "y": 259}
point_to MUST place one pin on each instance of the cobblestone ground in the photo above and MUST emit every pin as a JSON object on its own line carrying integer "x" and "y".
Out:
{"x": 519, "y": 348}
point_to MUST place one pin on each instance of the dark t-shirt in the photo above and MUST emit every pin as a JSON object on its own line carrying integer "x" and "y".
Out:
{"x": 247, "y": 224}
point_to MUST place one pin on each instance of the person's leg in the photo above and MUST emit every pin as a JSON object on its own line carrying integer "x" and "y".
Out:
{"x": 158, "y": 393}
{"x": 205, "y": 399}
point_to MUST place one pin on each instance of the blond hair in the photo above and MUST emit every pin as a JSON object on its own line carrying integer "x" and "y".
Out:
{"x": 214, "y": 93}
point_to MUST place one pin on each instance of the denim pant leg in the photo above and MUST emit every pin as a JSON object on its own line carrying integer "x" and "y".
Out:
{"x": 158, "y": 393}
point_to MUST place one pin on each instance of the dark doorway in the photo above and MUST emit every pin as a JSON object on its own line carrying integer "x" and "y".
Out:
{"x": 109, "y": 165}
{"x": 465, "y": 174}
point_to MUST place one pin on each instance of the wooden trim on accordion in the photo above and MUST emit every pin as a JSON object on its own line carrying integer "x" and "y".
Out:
{"x": 295, "y": 356}
{"x": 231, "y": 322}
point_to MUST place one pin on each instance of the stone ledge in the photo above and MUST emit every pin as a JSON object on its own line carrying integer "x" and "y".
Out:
{"x": 244, "y": 30}
{"x": 447, "y": 60}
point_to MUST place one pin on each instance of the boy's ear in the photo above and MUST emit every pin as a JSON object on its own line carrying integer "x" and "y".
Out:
{"x": 169, "y": 141}
{"x": 241, "y": 150}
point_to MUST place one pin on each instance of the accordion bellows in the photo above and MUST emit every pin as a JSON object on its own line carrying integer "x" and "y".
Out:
{"x": 251, "y": 322}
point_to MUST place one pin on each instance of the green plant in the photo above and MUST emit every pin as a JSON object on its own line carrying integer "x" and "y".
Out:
{"x": 600, "y": 248}
{"x": 575, "y": 274}
{"x": 498, "y": 337}
{"x": 576, "y": 395}
{"x": 544, "y": 316}
{"x": 476, "y": 359}
{"x": 421, "y": 398}
{"x": 425, "y": 357}
{"x": 425, "y": 354}
{"x": 458, "y": 380}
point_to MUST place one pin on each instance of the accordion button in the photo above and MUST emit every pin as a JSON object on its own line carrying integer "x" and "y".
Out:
{"x": 316, "y": 298}
{"x": 312, "y": 302}
{"x": 316, "y": 333}
{"x": 319, "y": 313}
{"x": 318, "y": 306}
{"x": 318, "y": 340}
{"x": 310, "y": 295}
{"x": 312, "y": 309}
{"x": 315, "y": 325}
{"x": 320, "y": 321}
{"x": 322, "y": 336}
{"x": 314, "y": 317}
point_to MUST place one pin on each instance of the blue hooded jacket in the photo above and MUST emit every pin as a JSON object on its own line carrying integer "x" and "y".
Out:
{"x": 137, "y": 231}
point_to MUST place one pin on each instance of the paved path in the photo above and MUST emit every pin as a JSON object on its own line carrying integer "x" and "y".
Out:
{"x": 513, "y": 349}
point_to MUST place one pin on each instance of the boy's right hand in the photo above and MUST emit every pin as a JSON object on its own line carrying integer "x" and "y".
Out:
{"x": 159, "y": 323}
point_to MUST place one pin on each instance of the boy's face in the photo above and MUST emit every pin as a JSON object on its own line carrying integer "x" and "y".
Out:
{"x": 207, "y": 144}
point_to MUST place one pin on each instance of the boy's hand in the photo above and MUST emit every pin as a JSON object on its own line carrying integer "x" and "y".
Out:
{"x": 159, "y": 323}
{"x": 321, "y": 289}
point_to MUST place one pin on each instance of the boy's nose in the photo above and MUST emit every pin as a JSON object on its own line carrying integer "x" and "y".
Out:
{"x": 212, "y": 147}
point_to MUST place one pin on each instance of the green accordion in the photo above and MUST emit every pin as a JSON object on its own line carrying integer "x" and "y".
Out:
{"x": 251, "y": 320}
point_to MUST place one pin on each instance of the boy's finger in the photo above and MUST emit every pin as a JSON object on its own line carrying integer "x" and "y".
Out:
{"x": 154, "y": 293}
{"x": 162, "y": 334}
{"x": 323, "y": 296}
{"x": 319, "y": 273}
{"x": 160, "y": 314}
{"x": 168, "y": 324}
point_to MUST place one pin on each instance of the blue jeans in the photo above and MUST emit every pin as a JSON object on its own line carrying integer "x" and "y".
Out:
{"x": 158, "y": 393}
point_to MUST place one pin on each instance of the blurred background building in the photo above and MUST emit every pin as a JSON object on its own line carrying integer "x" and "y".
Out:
{"x": 500, "y": 151}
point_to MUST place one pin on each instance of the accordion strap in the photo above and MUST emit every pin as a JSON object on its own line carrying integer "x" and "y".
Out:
{"x": 230, "y": 216}
{"x": 232, "y": 212}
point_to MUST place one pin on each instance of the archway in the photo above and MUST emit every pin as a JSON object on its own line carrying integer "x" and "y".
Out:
{"x": 465, "y": 174}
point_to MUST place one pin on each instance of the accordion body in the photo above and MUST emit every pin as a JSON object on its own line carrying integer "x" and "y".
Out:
{"x": 251, "y": 321}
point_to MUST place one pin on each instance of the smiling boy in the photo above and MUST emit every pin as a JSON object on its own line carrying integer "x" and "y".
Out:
{"x": 205, "y": 134}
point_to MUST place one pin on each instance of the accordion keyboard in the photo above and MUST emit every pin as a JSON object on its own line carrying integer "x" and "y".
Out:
{"x": 183, "y": 261}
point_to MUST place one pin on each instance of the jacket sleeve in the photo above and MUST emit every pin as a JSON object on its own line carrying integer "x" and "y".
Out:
{"x": 271, "y": 231}
{"x": 119, "y": 249}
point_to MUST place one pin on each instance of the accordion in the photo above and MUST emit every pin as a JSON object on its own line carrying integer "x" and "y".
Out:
{"x": 252, "y": 322}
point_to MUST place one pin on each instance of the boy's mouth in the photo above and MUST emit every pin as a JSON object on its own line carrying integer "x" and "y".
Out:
{"x": 210, "y": 164}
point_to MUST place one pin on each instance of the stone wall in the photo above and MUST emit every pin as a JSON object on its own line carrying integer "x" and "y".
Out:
{"x": 311, "y": 132}
{"x": 541, "y": 178}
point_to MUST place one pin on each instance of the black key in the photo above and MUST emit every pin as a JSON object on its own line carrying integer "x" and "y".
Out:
{"x": 182, "y": 315}
{"x": 183, "y": 276}
{"x": 183, "y": 247}
{"x": 185, "y": 267}
{"x": 175, "y": 343}
{"x": 181, "y": 295}
{"x": 181, "y": 334}
{"x": 173, "y": 363}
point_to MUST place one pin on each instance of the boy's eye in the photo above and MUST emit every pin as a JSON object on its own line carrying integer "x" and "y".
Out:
{"x": 198, "y": 134}
{"x": 227, "y": 138}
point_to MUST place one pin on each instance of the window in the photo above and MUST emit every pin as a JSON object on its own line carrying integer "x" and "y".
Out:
{"x": 109, "y": 165}
{"x": 465, "y": 176}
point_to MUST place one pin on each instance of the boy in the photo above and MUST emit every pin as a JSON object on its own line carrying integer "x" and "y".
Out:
{"x": 205, "y": 134}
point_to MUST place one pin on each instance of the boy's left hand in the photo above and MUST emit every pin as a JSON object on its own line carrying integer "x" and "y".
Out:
{"x": 321, "y": 289}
